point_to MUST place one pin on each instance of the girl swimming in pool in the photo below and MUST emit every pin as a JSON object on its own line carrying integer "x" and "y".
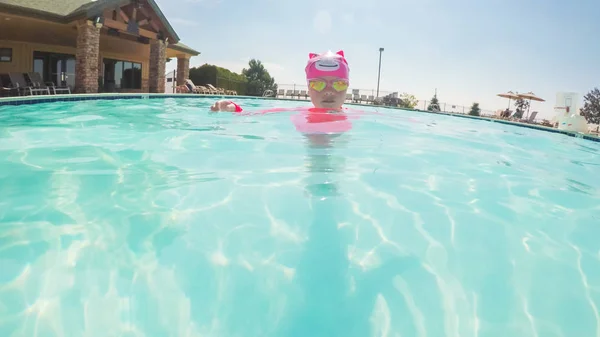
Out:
{"x": 327, "y": 76}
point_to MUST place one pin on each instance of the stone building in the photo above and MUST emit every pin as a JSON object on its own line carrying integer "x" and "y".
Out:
{"x": 91, "y": 45}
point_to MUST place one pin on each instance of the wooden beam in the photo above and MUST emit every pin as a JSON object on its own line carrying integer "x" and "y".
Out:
{"x": 155, "y": 26}
{"x": 145, "y": 12}
{"x": 123, "y": 16}
{"x": 122, "y": 27}
{"x": 107, "y": 13}
{"x": 152, "y": 22}
{"x": 143, "y": 22}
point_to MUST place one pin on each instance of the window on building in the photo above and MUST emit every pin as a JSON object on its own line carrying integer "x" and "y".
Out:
{"x": 122, "y": 74}
{"x": 5, "y": 54}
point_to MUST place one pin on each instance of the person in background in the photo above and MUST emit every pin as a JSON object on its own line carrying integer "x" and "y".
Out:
{"x": 327, "y": 76}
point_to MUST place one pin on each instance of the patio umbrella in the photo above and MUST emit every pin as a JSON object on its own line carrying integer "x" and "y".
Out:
{"x": 510, "y": 95}
{"x": 531, "y": 97}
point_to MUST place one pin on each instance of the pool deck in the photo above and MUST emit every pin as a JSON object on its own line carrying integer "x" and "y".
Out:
{"x": 21, "y": 100}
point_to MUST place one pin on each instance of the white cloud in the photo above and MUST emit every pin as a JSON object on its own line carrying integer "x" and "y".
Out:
{"x": 322, "y": 22}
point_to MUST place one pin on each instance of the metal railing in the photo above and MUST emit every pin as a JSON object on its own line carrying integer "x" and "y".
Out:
{"x": 299, "y": 91}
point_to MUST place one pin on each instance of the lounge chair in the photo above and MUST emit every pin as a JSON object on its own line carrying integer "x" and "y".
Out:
{"x": 218, "y": 91}
{"x": 193, "y": 88}
{"x": 202, "y": 89}
{"x": 211, "y": 90}
{"x": 356, "y": 95}
{"x": 38, "y": 82}
{"x": 182, "y": 89}
{"x": 506, "y": 114}
{"x": 196, "y": 89}
{"x": 208, "y": 90}
{"x": 517, "y": 115}
{"x": 18, "y": 81}
{"x": 6, "y": 88}
{"x": 532, "y": 117}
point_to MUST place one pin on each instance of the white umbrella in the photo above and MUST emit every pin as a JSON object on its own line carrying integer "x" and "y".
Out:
{"x": 510, "y": 95}
{"x": 531, "y": 97}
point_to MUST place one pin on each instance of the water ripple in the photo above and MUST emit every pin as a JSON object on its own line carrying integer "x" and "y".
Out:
{"x": 158, "y": 218}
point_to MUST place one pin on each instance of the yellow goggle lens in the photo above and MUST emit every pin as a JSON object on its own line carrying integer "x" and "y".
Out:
{"x": 340, "y": 85}
{"x": 318, "y": 85}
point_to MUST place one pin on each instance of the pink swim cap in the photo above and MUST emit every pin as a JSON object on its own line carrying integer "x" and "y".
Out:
{"x": 327, "y": 64}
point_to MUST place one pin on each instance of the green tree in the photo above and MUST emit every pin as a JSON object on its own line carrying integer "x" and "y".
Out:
{"x": 521, "y": 106}
{"x": 203, "y": 75}
{"x": 475, "y": 110}
{"x": 229, "y": 80}
{"x": 405, "y": 101}
{"x": 219, "y": 77}
{"x": 408, "y": 101}
{"x": 258, "y": 79}
{"x": 591, "y": 106}
{"x": 434, "y": 104}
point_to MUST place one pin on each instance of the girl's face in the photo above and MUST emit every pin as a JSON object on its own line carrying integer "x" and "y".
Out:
{"x": 327, "y": 92}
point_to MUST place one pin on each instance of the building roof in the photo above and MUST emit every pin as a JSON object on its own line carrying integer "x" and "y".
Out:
{"x": 65, "y": 11}
{"x": 182, "y": 47}
{"x": 50, "y": 9}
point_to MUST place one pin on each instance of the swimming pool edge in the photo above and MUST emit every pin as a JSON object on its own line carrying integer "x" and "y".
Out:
{"x": 22, "y": 100}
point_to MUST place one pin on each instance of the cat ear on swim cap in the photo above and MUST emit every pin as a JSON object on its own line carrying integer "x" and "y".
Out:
{"x": 341, "y": 52}
{"x": 312, "y": 55}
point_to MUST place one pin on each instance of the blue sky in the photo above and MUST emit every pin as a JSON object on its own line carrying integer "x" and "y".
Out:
{"x": 470, "y": 50}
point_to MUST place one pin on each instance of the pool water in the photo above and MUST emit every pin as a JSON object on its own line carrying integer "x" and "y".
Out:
{"x": 156, "y": 218}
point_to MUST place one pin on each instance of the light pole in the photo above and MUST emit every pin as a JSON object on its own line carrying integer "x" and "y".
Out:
{"x": 379, "y": 72}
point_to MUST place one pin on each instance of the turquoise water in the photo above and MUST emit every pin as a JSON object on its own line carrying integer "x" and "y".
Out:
{"x": 156, "y": 218}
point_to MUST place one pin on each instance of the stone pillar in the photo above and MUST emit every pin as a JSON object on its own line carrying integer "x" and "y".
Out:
{"x": 183, "y": 69}
{"x": 158, "y": 60}
{"x": 86, "y": 56}
{"x": 145, "y": 85}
